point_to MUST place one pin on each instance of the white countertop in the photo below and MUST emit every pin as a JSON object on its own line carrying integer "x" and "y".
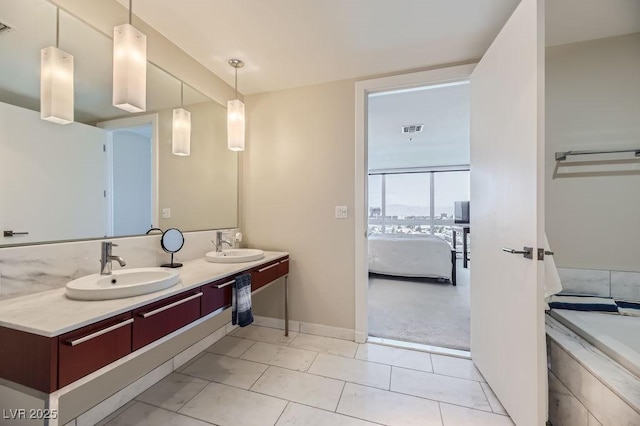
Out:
{"x": 52, "y": 313}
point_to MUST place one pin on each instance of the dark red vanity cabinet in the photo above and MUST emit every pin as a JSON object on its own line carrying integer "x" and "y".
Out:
{"x": 89, "y": 348}
{"x": 263, "y": 275}
{"x": 216, "y": 295}
{"x": 283, "y": 267}
{"x": 50, "y": 363}
{"x": 29, "y": 359}
{"x": 156, "y": 320}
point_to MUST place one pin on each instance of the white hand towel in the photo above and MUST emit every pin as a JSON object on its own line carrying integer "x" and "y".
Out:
{"x": 552, "y": 283}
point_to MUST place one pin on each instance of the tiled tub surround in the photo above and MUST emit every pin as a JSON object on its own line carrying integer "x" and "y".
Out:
{"x": 37, "y": 268}
{"x": 586, "y": 387}
{"x": 595, "y": 282}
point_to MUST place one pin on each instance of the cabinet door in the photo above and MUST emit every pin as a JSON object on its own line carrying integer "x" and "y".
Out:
{"x": 216, "y": 295}
{"x": 283, "y": 267}
{"x": 156, "y": 320}
{"x": 264, "y": 275}
{"x": 89, "y": 348}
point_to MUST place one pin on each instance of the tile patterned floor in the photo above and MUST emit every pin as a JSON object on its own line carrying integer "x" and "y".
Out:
{"x": 256, "y": 376}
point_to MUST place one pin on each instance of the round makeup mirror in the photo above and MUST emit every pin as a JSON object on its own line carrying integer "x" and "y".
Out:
{"x": 172, "y": 241}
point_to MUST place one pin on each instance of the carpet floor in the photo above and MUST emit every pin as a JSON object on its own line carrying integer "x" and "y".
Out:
{"x": 421, "y": 310}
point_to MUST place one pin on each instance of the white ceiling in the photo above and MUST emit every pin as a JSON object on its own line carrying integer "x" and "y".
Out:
{"x": 444, "y": 141}
{"x": 292, "y": 43}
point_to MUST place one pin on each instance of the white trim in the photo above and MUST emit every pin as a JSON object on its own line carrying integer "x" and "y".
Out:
{"x": 420, "y": 347}
{"x": 363, "y": 89}
{"x": 141, "y": 120}
{"x": 306, "y": 327}
{"x": 123, "y": 396}
{"x": 275, "y": 323}
{"x": 327, "y": 331}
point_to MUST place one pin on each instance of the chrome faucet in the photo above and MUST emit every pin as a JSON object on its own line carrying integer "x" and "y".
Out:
{"x": 219, "y": 242}
{"x": 107, "y": 257}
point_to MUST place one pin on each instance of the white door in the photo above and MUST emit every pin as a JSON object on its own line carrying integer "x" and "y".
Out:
{"x": 507, "y": 203}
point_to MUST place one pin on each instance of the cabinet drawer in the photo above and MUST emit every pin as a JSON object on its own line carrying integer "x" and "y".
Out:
{"x": 156, "y": 320}
{"x": 263, "y": 275}
{"x": 216, "y": 295}
{"x": 92, "y": 347}
{"x": 283, "y": 267}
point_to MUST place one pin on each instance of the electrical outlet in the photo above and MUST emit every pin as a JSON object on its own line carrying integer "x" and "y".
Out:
{"x": 166, "y": 213}
{"x": 342, "y": 212}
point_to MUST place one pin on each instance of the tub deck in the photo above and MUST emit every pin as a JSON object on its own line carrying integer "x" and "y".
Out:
{"x": 618, "y": 336}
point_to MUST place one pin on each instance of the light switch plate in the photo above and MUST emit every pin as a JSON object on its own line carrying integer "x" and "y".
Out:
{"x": 166, "y": 213}
{"x": 342, "y": 212}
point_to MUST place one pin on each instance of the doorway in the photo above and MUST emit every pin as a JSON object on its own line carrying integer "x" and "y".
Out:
{"x": 418, "y": 171}
{"x": 448, "y": 76}
{"x": 131, "y": 175}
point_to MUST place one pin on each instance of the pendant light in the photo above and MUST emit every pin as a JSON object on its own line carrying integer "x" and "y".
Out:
{"x": 56, "y": 82}
{"x": 181, "y": 135}
{"x": 129, "y": 67}
{"x": 235, "y": 115}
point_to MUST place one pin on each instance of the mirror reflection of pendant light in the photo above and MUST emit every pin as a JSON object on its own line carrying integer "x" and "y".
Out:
{"x": 235, "y": 115}
{"x": 129, "y": 67}
{"x": 56, "y": 82}
{"x": 181, "y": 135}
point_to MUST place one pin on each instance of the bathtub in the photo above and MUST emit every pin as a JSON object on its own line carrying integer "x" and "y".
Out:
{"x": 593, "y": 368}
{"x": 618, "y": 336}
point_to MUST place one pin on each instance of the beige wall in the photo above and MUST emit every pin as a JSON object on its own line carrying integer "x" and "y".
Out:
{"x": 593, "y": 102}
{"x": 299, "y": 165}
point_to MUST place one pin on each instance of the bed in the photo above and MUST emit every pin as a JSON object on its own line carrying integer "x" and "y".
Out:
{"x": 425, "y": 256}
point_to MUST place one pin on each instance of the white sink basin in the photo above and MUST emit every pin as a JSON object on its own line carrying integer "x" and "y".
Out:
{"x": 234, "y": 255}
{"x": 122, "y": 283}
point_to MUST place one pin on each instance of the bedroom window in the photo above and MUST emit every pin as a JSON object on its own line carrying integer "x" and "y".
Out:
{"x": 416, "y": 203}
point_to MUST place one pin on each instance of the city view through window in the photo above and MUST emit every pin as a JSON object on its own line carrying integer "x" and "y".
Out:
{"x": 416, "y": 203}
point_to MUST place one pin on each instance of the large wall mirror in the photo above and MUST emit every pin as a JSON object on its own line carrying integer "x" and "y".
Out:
{"x": 109, "y": 173}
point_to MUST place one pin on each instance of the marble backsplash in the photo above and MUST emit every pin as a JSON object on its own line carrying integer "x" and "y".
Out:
{"x": 595, "y": 282}
{"x": 32, "y": 269}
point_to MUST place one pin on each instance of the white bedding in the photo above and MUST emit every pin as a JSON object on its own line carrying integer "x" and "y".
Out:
{"x": 410, "y": 256}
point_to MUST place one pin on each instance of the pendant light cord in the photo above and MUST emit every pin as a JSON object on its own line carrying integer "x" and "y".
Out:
{"x": 57, "y": 27}
{"x": 182, "y": 93}
{"x": 130, "y": 10}
{"x": 236, "y": 82}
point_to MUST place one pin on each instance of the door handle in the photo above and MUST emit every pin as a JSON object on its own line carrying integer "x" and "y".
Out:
{"x": 526, "y": 252}
{"x": 542, "y": 253}
{"x": 13, "y": 233}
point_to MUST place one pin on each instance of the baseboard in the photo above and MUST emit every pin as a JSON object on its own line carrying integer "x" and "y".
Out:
{"x": 360, "y": 337}
{"x": 275, "y": 323}
{"x": 123, "y": 396}
{"x": 306, "y": 327}
{"x": 194, "y": 350}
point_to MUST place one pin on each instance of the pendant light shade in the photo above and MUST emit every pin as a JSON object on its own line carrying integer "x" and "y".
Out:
{"x": 235, "y": 115}
{"x": 56, "y": 82}
{"x": 235, "y": 125}
{"x": 56, "y": 85}
{"x": 129, "y": 68}
{"x": 181, "y": 135}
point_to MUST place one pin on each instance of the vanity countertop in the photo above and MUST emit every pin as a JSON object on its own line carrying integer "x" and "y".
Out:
{"x": 52, "y": 313}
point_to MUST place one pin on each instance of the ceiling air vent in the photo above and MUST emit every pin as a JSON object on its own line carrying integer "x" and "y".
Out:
{"x": 412, "y": 128}
{"x": 4, "y": 27}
